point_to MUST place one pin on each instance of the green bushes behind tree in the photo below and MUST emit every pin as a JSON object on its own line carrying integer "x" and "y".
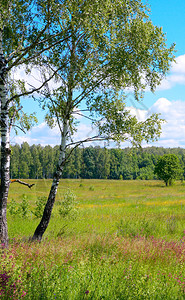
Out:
{"x": 36, "y": 162}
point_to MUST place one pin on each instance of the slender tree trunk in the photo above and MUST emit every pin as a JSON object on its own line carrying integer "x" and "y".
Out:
{"x": 5, "y": 151}
{"x": 41, "y": 228}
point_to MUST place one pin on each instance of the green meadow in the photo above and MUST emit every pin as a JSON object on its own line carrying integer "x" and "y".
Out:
{"x": 125, "y": 240}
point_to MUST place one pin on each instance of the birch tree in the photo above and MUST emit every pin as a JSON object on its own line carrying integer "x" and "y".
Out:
{"x": 27, "y": 32}
{"x": 113, "y": 45}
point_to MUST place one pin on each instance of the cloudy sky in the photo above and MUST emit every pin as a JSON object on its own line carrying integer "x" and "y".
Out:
{"x": 169, "y": 98}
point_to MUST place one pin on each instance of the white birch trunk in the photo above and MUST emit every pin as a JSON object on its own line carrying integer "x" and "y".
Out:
{"x": 41, "y": 228}
{"x": 5, "y": 150}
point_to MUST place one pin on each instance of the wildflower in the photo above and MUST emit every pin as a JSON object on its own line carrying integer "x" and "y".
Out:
{"x": 87, "y": 292}
{"x": 23, "y": 294}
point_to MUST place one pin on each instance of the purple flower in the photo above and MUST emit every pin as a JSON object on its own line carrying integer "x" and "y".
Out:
{"x": 87, "y": 292}
{"x": 23, "y": 294}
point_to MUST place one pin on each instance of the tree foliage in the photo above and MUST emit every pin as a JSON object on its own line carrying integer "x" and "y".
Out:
{"x": 91, "y": 162}
{"x": 168, "y": 168}
{"x": 111, "y": 47}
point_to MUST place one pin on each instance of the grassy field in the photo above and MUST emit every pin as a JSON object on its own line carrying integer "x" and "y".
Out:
{"x": 126, "y": 240}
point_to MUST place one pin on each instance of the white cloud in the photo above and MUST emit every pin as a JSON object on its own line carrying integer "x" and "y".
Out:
{"x": 42, "y": 134}
{"x": 161, "y": 105}
{"x": 166, "y": 84}
{"x": 33, "y": 79}
{"x": 176, "y": 76}
{"x": 173, "y": 131}
{"x": 84, "y": 131}
{"x": 179, "y": 65}
{"x": 141, "y": 114}
{"x": 39, "y": 134}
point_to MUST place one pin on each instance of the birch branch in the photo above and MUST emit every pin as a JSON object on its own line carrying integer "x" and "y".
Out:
{"x": 25, "y": 51}
{"x": 22, "y": 182}
{"x": 35, "y": 89}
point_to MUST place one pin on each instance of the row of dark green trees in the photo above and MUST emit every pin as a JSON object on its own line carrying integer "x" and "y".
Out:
{"x": 92, "y": 162}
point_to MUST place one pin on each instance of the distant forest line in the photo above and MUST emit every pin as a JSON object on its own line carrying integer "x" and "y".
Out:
{"x": 36, "y": 161}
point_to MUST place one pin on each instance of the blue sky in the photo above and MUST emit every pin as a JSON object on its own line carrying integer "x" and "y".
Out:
{"x": 169, "y": 98}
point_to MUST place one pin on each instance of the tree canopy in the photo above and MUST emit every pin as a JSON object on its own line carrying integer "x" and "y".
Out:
{"x": 168, "y": 168}
{"x": 112, "y": 46}
{"x": 90, "y": 162}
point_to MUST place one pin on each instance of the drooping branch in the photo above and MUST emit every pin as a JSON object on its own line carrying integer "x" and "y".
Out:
{"x": 22, "y": 182}
{"x": 89, "y": 139}
{"x": 84, "y": 116}
{"x": 35, "y": 89}
{"x": 13, "y": 117}
{"x": 77, "y": 144}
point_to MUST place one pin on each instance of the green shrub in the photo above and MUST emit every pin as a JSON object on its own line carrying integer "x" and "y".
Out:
{"x": 68, "y": 205}
{"x": 23, "y": 207}
{"x": 12, "y": 208}
{"x": 40, "y": 204}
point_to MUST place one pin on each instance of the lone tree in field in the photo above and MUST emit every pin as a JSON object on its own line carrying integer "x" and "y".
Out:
{"x": 168, "y": 168}
{"x": 113, "y": 45}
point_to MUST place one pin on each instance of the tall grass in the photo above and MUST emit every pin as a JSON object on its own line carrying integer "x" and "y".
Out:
{"x": 99, "y": 267}
{"x": 126, "y": 242}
